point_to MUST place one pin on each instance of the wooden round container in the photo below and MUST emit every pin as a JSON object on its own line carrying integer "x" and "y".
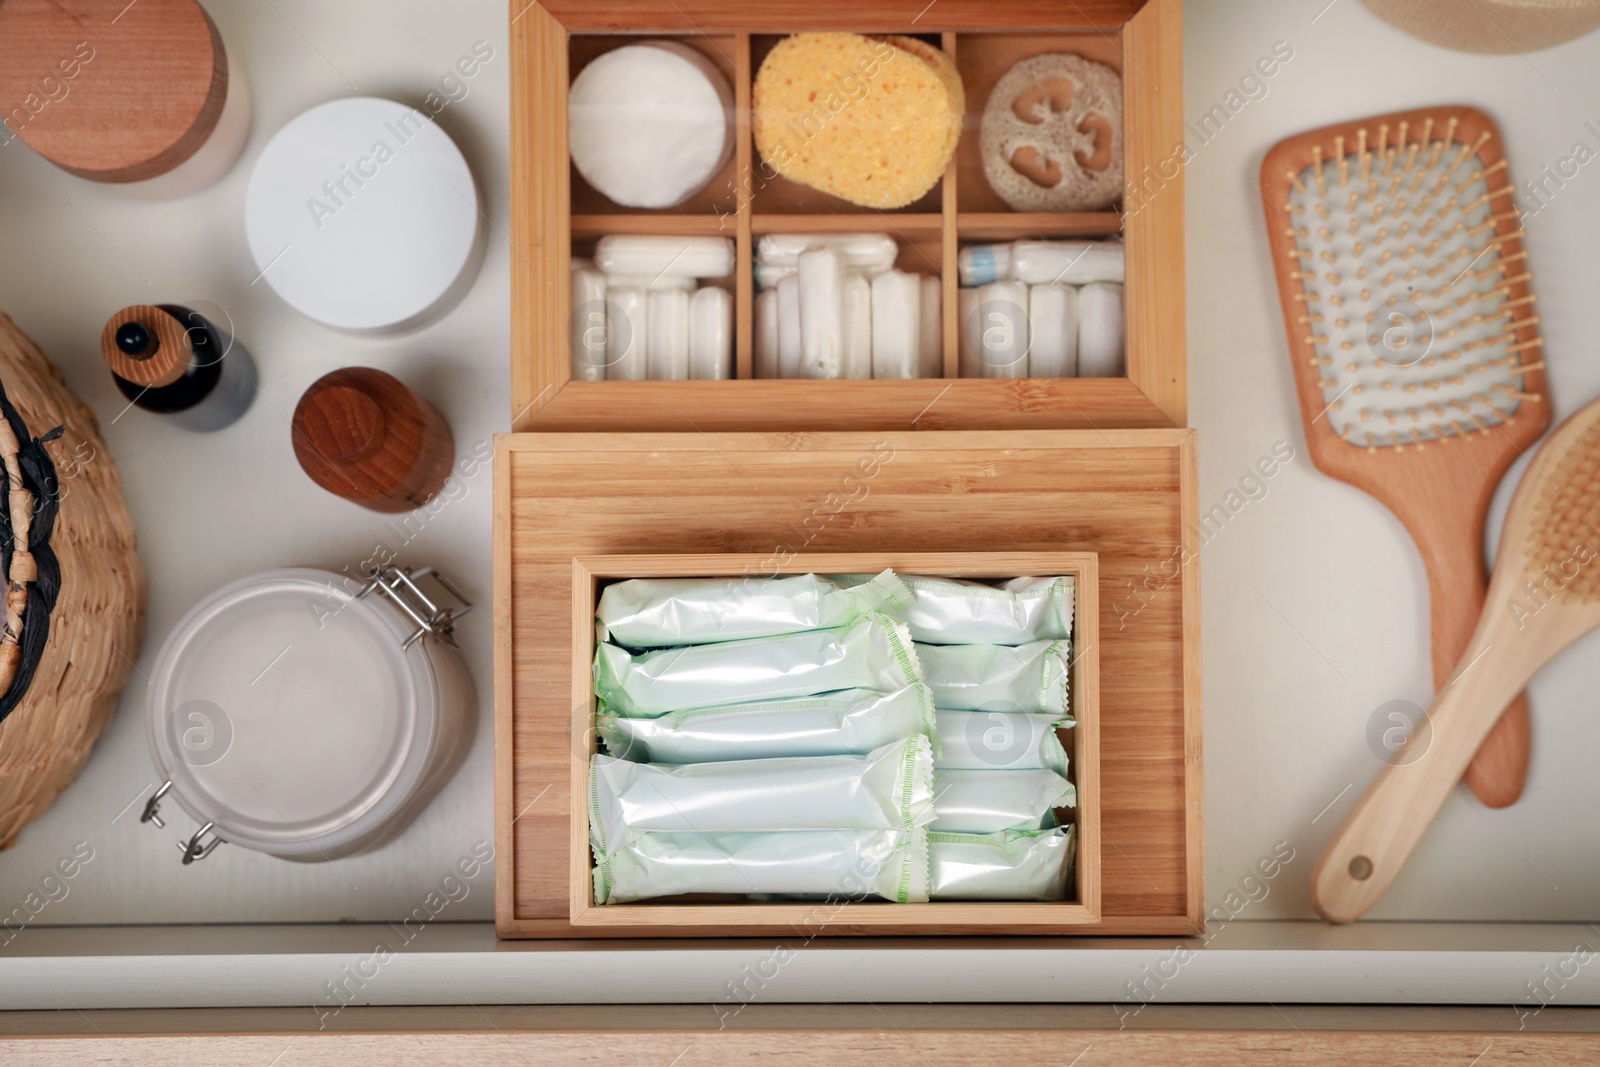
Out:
{"x": 141, "y": 93}
{"x": 363, "y": 435}
{"x": 91, "y": 633}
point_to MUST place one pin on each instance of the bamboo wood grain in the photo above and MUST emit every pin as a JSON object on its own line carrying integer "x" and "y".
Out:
{"x": 545, "y": 398}
{"x": 512, "y": 1046}
{"x": 1441, "y": 493}
{"x": 588, "y": 572}
{"x": 1125, "y": 495}
{"x": 1552, "y": 523}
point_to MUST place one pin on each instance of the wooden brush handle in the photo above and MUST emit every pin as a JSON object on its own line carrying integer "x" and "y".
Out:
{"x": 1372, "y": 846}
{"x": 1452, "y": 552}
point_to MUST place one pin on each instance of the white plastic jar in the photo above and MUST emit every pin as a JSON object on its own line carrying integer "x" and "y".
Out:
{"x": 299, "y": 715}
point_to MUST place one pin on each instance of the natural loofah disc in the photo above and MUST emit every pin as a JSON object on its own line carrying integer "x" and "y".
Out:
{"x": 1042, "y": 127}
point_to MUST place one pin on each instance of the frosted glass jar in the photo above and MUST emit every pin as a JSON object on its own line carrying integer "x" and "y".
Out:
{"x": 298, "y": 714}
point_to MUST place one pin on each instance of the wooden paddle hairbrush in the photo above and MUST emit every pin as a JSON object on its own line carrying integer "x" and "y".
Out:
{"x": 1416, "y": 350}
{"x": 1545, "y": 594}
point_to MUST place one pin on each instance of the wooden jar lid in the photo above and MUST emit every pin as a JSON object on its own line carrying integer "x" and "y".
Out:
{"x": 108, "y": 90}
{"x": 363, "y": 435}
{"x": 146, "y": 345}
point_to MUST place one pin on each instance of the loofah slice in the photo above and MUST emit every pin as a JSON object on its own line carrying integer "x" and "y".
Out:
{"x": 1058, "y": 93}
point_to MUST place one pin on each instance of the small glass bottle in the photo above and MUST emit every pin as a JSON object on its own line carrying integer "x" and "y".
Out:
{"x": 172, "y": 360}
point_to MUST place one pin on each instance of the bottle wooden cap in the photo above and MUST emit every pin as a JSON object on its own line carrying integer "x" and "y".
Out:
{"x": 146, "y": 345}
{"x": 108, "y": 90}
{"x": 361, "y": 434}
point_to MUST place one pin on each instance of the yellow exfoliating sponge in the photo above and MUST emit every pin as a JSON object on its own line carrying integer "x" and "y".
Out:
{"x": 865, "y": 120}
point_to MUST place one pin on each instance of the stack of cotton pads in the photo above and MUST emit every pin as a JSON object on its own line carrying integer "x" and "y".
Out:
{"x": 833, "y": 306}
{"x": 637, "y": 312}
{"x": 1042, "y": 309}
{"x": 650, "y": 124}
{"x": 997, "y": 660}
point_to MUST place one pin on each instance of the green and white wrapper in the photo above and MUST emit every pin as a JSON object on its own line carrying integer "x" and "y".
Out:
{"x": 655, "y": 612}
{"x": 985, "y": 802}
{"x": 999, "y": 740}
{"x": 1029, "y": 678}
{"x": 849, "y": 722}
{"x": 949, "y": 611}
{"x": 1010, "y": 865}
{"x": 843, "y": 865}
{"x": 889, "y": 789}
{"x": 872, "y": 653}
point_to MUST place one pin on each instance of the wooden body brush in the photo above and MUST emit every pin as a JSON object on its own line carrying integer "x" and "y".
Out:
{"x": 1545, "y": 594}
{"x": 1415, "y": 346}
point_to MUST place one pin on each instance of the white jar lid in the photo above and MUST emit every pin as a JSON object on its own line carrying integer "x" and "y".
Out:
{"x": 286, "y": 711}
{"x": 363, "y": 215}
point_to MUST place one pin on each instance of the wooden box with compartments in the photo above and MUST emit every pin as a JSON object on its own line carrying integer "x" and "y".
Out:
{"x": 1002, "y": 503}
{"x": 851, "y": 907}
{"x": 985, "y": 360}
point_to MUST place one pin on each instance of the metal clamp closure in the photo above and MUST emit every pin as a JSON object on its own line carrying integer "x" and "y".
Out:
{"x": 432, "y": 619}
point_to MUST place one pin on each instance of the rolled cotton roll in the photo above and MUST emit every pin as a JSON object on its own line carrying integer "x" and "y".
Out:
{"x": 655, "y": 255}
{"x": 650, "y": 124}
{"x": 1053, "y": 320}
{"x": 896, "y": 324}
{"x": 1067, "y": 262}
{"x": 857, "y": 326}
{"x": 983, "y": 264}
{"x": 627, "y": 335}
{"x": 930, "y": 332}
{"x": 711, "y": 334}
{"x": 790, "y": 340}
{"x": 870, "y": 252}
{"x": 1101, "y": 331}
{"x": 970, "y": 327}
{"x": 588, "y": 325}
{"x": 1003, "y": 331}
{"x": 651, "y": 281}
{"x": 668, "y": 353}
{"x": 821, "y": 276}
{"x": 766, "y": 335}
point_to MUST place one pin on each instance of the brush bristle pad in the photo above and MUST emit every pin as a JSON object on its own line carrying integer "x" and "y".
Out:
{"x": 1409, "y": 289}
{"x": 1565, "y": 533}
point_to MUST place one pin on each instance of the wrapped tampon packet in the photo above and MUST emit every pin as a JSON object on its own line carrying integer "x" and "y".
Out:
{"x": 872, "y": 653}
{"x": 841, "y": 865}
{"x": 1008, "y": 865}
{"x": 949, "y": 611}
{"x": 1030, "y": 678}
{"x": 890, "y": 788}
{"x": 999, "y": 740}
{"x": 848, "y": 722}
{"x": 987, "y": 801}
{"x": 652, "y": 612}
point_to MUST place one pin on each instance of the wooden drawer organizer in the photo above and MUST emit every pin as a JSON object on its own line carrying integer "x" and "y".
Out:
{"x": 1126, "y": 495}
{"x": 590, "y": 573}
{"x": 555, "y": 213}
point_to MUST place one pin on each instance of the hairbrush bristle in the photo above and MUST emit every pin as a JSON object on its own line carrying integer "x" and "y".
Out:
{"x": 1400, "y": 230}
{"x": 1564, "y": 535}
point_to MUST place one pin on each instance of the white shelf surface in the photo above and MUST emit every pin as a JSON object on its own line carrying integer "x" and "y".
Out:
{"x": 1314, "y": 608}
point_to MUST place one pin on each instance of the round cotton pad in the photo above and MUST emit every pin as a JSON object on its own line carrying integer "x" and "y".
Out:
{"x": 650, "y": 124}
{"x": 1037, "y": 117}
{"x": 362, "y": 215}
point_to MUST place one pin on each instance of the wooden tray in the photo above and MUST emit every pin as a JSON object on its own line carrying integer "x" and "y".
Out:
{"x": 648, "y": 918}
{"x": 555, "y": 214}
{"x": 1126, "y": 495}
